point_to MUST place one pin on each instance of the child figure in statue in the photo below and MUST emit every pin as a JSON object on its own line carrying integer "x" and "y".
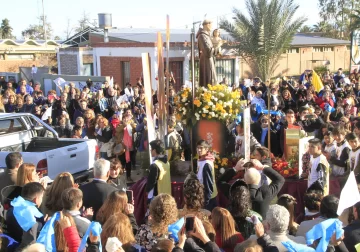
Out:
{"x": 217, "y": 42}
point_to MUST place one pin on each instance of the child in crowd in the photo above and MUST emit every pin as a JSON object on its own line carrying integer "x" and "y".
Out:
{"x": 206, "y": 174}
{"x": 330, "y": 146}
{"x": 342, "y": 152}
{"x": 24, "y": 219}
{"x": 77, "y": 132}
{"x": 319, "y": 172}
{"x": 354, "y": 153}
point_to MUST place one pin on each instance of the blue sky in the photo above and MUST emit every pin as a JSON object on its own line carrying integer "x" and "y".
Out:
{"x": 126, "y": 13}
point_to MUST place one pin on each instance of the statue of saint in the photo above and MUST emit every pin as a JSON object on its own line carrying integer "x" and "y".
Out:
{"x": 207, "y": 55}
{"x": 217, "y": 42}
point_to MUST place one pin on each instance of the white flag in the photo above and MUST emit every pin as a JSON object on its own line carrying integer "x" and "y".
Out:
{"x": 47, "y": 114}
{"x": 111, "y": 82}
{"x": 349, "y": 194}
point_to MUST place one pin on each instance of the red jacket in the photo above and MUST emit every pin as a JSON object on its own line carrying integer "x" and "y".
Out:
{"x": 227, "y": 249}
{"x": 72, "y": 239}
{"x": 319, "y": 101}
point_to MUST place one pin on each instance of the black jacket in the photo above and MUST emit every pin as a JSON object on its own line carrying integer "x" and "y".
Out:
{"x": 18, "y": 234}
{"x": 274, "y": 136}
{"x": 352, "y": 235}
{"x": 153, "y": 177}
{"x": 311, "y": 125}
{"x": 106, "y": 135}
{"x": 262, "y": 196}
{"x": 95, "y": 194}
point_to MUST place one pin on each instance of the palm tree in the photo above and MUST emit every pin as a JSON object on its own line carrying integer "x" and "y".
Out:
{"x": 6, "y": 29}
{"x": 264, "y": 32}
{"x": 320, "y": 27}
{"x": 305, "y": 29}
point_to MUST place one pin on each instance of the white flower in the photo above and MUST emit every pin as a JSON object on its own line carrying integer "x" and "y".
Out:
{"x": 210, "y": 103}
{"x": 221, "y": 94}
{"x": 220, "y": 102}
{"x": 215, "y": 99}
{"x": 222, "y": 170}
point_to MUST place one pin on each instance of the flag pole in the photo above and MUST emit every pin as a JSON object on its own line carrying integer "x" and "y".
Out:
{"x": 167, "y": 68}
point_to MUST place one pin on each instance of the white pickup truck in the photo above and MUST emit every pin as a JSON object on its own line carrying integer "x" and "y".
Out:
{"x": 23, "y": 132}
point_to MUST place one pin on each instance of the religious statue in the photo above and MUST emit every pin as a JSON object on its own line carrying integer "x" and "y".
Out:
{"x": 217, "y": 42}
{"x": 207, "y": 55}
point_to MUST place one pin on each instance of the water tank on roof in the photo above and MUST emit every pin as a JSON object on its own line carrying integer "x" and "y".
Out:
{"x": 105, "y": 20}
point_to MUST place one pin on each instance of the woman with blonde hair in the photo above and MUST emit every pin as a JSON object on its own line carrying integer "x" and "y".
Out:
{"x": 126, "y": 131}
{"x": 2, "y": 102}
{"x": 10, "y": 107}
{"x": 226, "y": 235}
{"x": 26, "y": 174}
{"x": 163, "y": 212}
{"x": 116, "y": 202}
{"x": 118, "y": 225}
{"x": 89, "y": 123}
{"x": 51, "y": 202}
{"x": 66, "y": 235}
{"x": 103, "y": 134}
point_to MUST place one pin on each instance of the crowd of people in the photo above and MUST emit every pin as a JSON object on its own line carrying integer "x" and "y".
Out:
{"x": 100, "y": 215}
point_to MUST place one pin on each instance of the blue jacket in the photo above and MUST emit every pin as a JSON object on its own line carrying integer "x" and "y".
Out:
{"x": 29, "y": 89}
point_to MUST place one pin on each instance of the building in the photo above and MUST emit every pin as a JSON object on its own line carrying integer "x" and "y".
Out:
{"x": 25, "y": 53}
{"x": 121, "y": 56}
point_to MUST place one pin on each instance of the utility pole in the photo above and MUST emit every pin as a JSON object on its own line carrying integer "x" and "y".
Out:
{"x": 44, "y": 25}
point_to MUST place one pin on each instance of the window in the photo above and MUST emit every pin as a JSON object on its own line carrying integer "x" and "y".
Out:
{"x": 125, "y": 72}
{"x": 225, "y": 69}
{"x": 20, "y": 56}
{"x": 2, "y": 57}
{"x": 318, "y": 49}
{"x": 8, "y": 126}
{"x": 88, "y": 69}
{"x": 328, "y": 49}
{"x": 292, "y": 50}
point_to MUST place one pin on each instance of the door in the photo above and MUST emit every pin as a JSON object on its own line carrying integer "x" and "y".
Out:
{"x": 73, "y": 158}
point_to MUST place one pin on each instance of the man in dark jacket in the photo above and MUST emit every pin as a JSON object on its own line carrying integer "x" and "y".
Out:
{"x": 262, "y": 196}
{"x": 308, "y": 122}
{"x": 96, "y": 192}
{"x": 352, "y": 231}
{"x": 13, "y": 161}
{"x": 159, "y": 180}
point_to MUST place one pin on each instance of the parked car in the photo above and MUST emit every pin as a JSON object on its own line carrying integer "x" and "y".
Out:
{"x": 39, "y": 144}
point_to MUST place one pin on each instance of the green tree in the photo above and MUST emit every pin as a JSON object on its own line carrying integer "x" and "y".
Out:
{"x": 6, "y": 29}
{"x": 264, "y": 32}
{"x": 57, "y": 38}
{"x": 305, "y": 29}
{"x": 36, "y": 31}
{"x": 355, "y": 20}
{"x": 336, "y": 14}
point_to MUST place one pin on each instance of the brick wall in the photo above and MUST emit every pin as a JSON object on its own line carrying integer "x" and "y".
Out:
{"x": 13, "y": 65}
{"x": 87, "y": 59}
{"x": 68, "y": 64}
{"x": 111, "y": 66}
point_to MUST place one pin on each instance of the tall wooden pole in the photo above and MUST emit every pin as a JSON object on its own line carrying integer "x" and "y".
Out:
{"x": 269, "y": 119}
{"x": 192, "y": 38}
{"x": 161, "y": 87}
{"x": 167, "y": 69}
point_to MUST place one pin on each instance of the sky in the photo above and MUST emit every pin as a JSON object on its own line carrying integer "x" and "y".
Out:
{"x": 127, "y": 13}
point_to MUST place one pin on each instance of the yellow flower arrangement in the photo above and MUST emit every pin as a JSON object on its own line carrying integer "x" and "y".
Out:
{"x": 214, "y": 102}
